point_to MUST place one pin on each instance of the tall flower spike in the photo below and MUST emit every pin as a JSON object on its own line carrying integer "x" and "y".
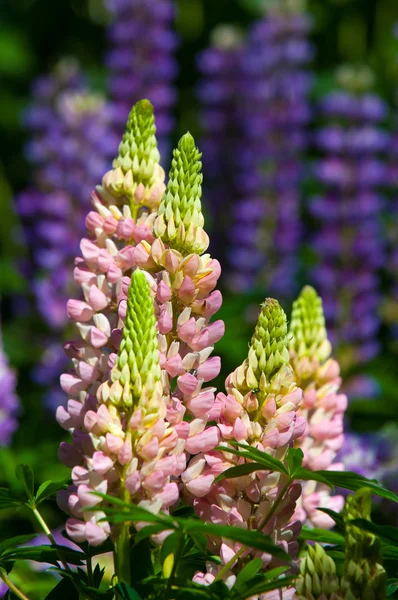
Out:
{"x": 180, "y": 220}
{"x": 323, "y": 408}
{"x": 259, "y": 409}
{"x": 136, "y": 172}
{"x": 364, "y": 576}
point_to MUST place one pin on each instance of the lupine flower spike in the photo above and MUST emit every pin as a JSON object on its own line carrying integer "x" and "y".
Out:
{"x": 323, "y": 407}
{"x": 260, "y": 409}
{"x": 133, "y": 187}
{"x": 183, "y": 281}
{"x": 364, "y": 576}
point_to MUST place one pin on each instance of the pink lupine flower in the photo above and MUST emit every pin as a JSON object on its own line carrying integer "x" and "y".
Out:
{"x": 260, "y": 409}
{"x": 323, "y": 407}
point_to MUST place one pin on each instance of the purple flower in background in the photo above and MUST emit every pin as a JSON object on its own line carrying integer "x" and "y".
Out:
{"x": 349, "y": 242}
{"x": 274, "y": 113}
{"x": 71, "y": 146}
{"x": 219, "y": 93}
{"x": 141, "y": 62}
{"x": 9, "y": 402}
{"x": 363, "y": 454}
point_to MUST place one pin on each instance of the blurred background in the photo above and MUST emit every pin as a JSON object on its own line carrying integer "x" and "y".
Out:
{"x": 295, "y": 107}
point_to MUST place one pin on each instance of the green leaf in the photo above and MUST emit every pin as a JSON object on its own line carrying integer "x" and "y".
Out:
{"x": 353, "y": 481}
{"x": 147, "y": 531}
{"x": 392, "y": 586}
{"x": 252, "y": 539}
{"x": 25, "y": 475}
{"x": 337, "y": 517}
{"x": 240, "y": 471}
{"x": 387, "y": 533}
{"x": 270, "y": 463}
{"x": 45, "y": 554}
{"x": 9, "y": 500}
{"x": 306, "y": 475}
{"x": 247, "y": 573}
{"x": 16, "y": 541}
{"x": 126, "y": 592}
{"x": 64, "y": 590}
{"x": 294, "y": 460}
{"x": 264, "y": 585}
{"x": 49, "y": 488}
{"x": 322, "y": 536}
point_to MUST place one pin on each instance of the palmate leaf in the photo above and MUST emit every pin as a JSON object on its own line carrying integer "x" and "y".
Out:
{"x": 49, "y": 488}
{"x": 9, "y": 500}
{"x": 240, "y": 471}
{"x": 25, "y": 475}
{"x": 294, "y": 460}
{"x": 45, "y": 554}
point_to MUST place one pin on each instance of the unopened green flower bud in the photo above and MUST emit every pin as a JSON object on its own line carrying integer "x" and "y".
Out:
{"x": 308, "y": 336}
{"x": 268, "y": 349}
{"x": 137, "y": 366}
{"x": 180, "y": 220}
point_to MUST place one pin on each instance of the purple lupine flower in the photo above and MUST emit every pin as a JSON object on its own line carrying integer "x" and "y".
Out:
{"x": 363, "y": 454}
{"x": 218, "y": 93}
{"x": 9, "y": 402}
{"x": 71, "y": 144}
{"x": 275, "y": 112}
{"x": 141, "y": 61}
{"x": 349, "y": 240}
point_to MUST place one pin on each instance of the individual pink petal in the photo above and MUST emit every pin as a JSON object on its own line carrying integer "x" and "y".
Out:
{"x": 125, "y": 228}
{"x": 169, "y": 495}
{"x": 201, "y": 404}
{"x": 154, "y": 482}
{"x": 76, "y": 530}
{"x": 89, "y": 250}
{"x": 165, "y": 322}
{"x": 209, "y": 369}
{"x": 97, "y": 337}
{"x": 187, "y": 331}
{"x": 187, "y": 383}
{"x": 97, "y": 298}
{"x": 240, "y": 431}
{"x": 182, "y": 430}
{"x": 95, "y": 534}
{"x": 69, "y": 455}
{"x": 204, "y": 441}
{"x": 79, "y": 310}
{"x": 174, "y": 366}
{"x": 102, "y": 463}
{"x": 72, "y": 384}
{"x": 110, "y": 225}
{"x": 133, "y": 483}
{"x": 93, "y": 221}
{"x": 200, "y": 486}
{"x": 125, "y": 453}
{"x": 114, "y": 273}
{"x": 105, "y": 260}
{"x": 187, "y": 291}
{"x": 163, "y": 292}
{"x": 150, "y": 450}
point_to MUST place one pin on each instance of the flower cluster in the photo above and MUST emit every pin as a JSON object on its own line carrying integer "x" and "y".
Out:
{"x": 141, "y": 61}
{"x": 69, "y": 150}
{"x": 323, "y": 407}
{"x": 259, "y": 409}
{"x": 274, "y": 113}
{"x": 181, "y": 279}
{"x": 349, "y": 239}
{"x": 9, "y": 402}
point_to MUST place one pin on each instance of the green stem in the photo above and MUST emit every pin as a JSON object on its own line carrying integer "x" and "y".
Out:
{"x": 261, "y": 525}
{"x": 122, "y": 555}
{"x": 50, "y": 536}
{"x": 122, "y": 541}
{"x": 12, "y": 585}
{"x": 89, "y": 564}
